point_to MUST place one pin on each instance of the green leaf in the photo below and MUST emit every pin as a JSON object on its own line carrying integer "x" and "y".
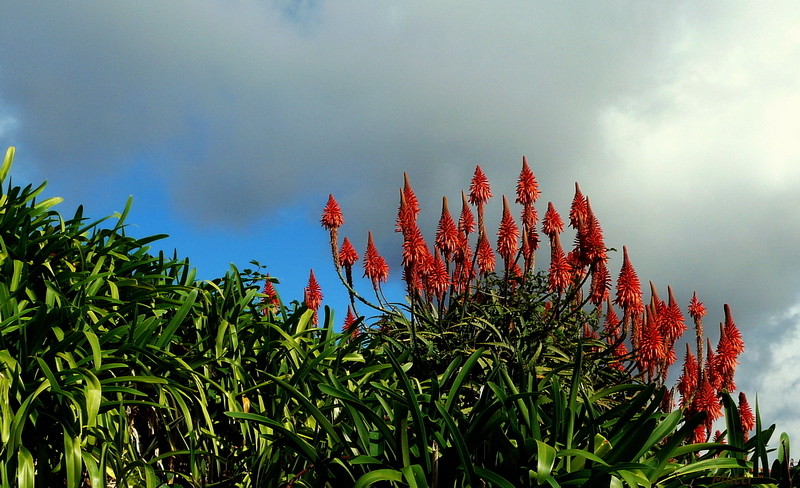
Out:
{"x": 546, "y": 458}
{"x": 72, "y": 459}
{"x": 26, "y": 470}
{"x": 459, "y": 444}
{"x": 177, "y": 320}
{"x": 413, "y": 404}
{"x": 453, "y": 394}
{"x": 378, "y": 475}
{"x": 494, "y": 478}
{"x": 296, "y": 441}
{"x": 310, "y": 408}
{"x": 8, "y": 161}
{"x": 414, "y": 476}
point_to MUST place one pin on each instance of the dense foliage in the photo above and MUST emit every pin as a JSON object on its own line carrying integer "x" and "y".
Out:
{"x": 119, "y": 368}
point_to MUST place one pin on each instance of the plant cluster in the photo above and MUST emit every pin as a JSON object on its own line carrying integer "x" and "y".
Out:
{"x": 119, "y": 368}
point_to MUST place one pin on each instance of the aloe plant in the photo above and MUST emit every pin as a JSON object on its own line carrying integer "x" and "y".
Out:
{"x": 118, "y": 367}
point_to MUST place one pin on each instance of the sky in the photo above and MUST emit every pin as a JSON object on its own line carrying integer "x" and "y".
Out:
{"x": 230, "y": 122}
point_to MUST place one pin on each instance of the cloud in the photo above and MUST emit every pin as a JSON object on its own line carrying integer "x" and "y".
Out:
{"x": 778, "y": 376}
{"x": 262, "y": 95}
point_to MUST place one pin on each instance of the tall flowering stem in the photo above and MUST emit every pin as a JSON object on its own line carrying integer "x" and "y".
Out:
{"x": 375, "y": 267}
{"x": 447, "y": 237}
{"x": 697, "y": 311}
{"x": 552, "y": 223}
{"x": 629, "y": 292}
{"x": 579, "y": 211}
{"x": 560, "y": 274}
{"x": 313, "y": 295}
{"x": 347, "y": 258}
{"x": 507, "y": 237}
{"x": 480, "y": 193}
{"x": 271, "y": 301}
{"x": 527, "y": 194}
{"x": 332, "y": 219}
{"x": 350, "y": 327}
{"x": 746, "y": 415}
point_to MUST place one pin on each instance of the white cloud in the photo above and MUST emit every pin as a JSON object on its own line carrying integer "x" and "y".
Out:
{"x": 777, "y": 381}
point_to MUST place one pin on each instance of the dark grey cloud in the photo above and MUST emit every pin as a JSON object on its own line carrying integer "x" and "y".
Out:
{"x": 679, "y": 120}
{"x": 247, "y": 94}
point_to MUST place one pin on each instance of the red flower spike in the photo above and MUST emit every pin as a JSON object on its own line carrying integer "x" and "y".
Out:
{"x": 466, "y": 222}
{"x": 348, "y": 327}
{"x": 411, "y": 198}
{"x": 533, "y": 239}
{"x": 332, "y": 215}
{"x": 552, "y": 223}
{"x": 700, "y": 434}
{"x": 527, "y": 187}
{"x": 485, "y": 256}
{"x": 375, "y": 267}
{"x": 732, "y": 332}
{"x": 672, "y": 321}
{"x": 725, "y": 362}
{"x": 405, "y": 215}
{"x": 612, "y": 323}
{"x": 438, "y": 279}
{"x": 271, "y": 301}
{"x": 414, "y": 246}
{"x": 313, "y": 295}
{"x": 560, "y": 275}
{"x": 447, "y": 238}
{"x": 479, "y": 190}
{"x": 590, "y": 239}
{"x": 629, "y": 289}
{"x": 746, "y": 415}
{"x": 422, "y": 272}
{"x": 710, "y": 371}
{"x": 579, "y": 210}
{"x": 529, "y": 217}
{"x": 347, "y": 254}
{"x": 507, "y": 235}
{"x": 706, "y": 401}
{"x": 601, "y": 283}
{"x": 696, "y": 308}
{"x": 651, "y": 347}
